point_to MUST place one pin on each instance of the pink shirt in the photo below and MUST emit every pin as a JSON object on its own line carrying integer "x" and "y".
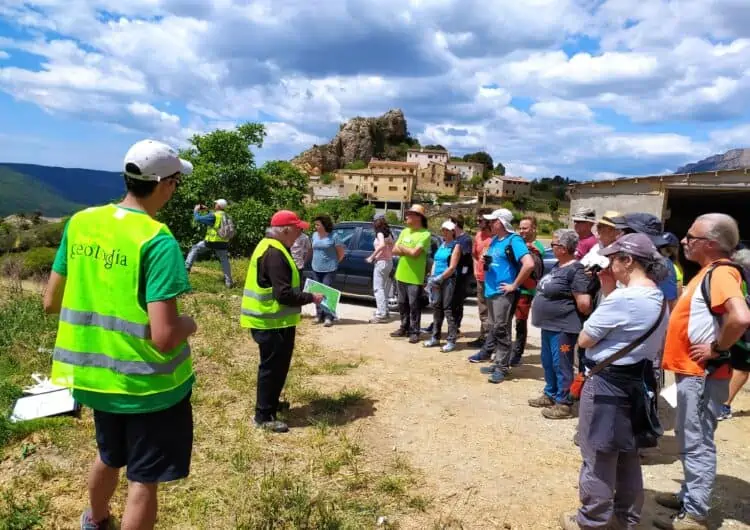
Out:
{"x": 481, "y": 244}
{"x": 585, "y": 245}
{"x": 383, "y": 247}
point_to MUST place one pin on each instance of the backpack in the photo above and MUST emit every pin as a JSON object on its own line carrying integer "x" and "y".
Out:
{"x": 226, "y": 228}
{"x": 537, "y": 272}
{"x": 740, "y": 348}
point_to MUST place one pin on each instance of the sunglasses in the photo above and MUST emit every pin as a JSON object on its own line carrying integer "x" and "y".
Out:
{"x": 690, "y": 237}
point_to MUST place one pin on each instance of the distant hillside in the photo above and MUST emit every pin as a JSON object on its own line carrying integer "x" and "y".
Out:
{"x": 734, "y": 159}
{"x": 54, "y": 191}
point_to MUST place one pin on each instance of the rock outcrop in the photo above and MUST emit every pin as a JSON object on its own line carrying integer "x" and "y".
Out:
{"x": 357, "y": 139}
{"x": 734, "y": 159}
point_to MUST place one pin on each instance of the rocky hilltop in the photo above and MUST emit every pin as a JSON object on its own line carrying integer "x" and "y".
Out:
{"x": 358, "y": 139}
{"x": 733, "y": 159}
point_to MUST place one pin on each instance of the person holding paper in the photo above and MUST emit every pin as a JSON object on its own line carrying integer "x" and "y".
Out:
{"x": 271, "y": 309}
{"x": 702, "y": 329}
{"x": 325, "y": 261}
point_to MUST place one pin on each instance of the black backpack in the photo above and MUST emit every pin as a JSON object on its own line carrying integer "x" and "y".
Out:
{"x": 742, "y": 346}
{"x": 538, "y": 270}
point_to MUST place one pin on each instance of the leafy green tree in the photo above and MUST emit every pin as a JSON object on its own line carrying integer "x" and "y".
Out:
{"x": 392, "y": 219}
{"x": 500, "y": 169}
{"x": 435, "y": 147}
{"x": 522, "y": 202}
{"x": 554, "y": 206}
{"x": 327, "y": 178}
{"x": 224, "y": 168}
{"x": 477, "y": 181}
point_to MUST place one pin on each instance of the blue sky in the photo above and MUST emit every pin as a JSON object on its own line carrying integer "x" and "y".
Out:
{"x": 583, "y": 89}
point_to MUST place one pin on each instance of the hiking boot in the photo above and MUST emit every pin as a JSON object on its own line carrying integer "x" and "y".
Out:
{"x": 516, "y": 360}
{"x": 569, "y": 521}
{"x": 497, "y": 376}
{"x": 377, "y": 319}
{"x": 400, "y": 332}
{"x": 87, "y": 523}
{"x": 431, "y": 342}
{"x": 669, "y": 500}
{"x": 413, "y": 339}
{"x": 272, "y": 426}
{"x": 487, "y": 370}
{"x": 542, "y": 402}
{"x": 476, "y": 343}
{"x": 559, "y": 411}
{"x": 725, "y": 414}
{"x": 328, "y": 322}
{"x": 479, "y": 357}
{"x": 681, "y": 521}
{"x": 449, "y": 347}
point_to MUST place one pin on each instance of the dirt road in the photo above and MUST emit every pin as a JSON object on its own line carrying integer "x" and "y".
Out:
{"x": 489, "y": 460}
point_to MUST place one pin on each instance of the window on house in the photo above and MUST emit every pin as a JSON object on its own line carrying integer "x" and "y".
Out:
{"x": 429, "y": 156}
{"x": 350, "y": 177}
{"x": 390, "y": 179}
{"x": 392, "y": 188}
{"x": 404, "y": 188}
{"x": 375, "y": 189}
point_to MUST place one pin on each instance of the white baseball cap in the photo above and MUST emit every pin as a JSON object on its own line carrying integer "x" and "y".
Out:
{"x": 222, "y": 203}
{"x": 448, "y": 225}
{"x": 504, "y": 215}
{"x": 154, "y": 161}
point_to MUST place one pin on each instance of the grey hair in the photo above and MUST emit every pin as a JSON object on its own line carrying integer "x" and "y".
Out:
{"x": 742, "y": 257}
{"x": 723, "y": 230}
{"x": 276, "y": 231}
{"x": 567, "y": 238}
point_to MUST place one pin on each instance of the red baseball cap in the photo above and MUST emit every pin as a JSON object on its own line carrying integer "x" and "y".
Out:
{"x": 288, "y": 218}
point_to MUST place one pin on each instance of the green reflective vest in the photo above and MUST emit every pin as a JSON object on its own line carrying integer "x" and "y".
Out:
{"x": 259, "y": 309}
{"x": 212, "y": 233}
{"x": 104, "y": 338}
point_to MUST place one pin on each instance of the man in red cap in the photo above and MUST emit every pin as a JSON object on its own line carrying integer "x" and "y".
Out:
{"x": 271, "y": 309}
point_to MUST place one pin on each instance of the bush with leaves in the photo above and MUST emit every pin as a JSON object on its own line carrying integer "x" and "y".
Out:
{"x": 353, "y": 208}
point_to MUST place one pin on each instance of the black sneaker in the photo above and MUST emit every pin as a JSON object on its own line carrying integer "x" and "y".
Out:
{"x": 413, "y": 339}
{"x": 272, "y": 426}
{"x": 400, "y": 332}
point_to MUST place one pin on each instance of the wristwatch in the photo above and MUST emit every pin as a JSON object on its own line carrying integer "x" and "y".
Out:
{"x": 719, "y": 352}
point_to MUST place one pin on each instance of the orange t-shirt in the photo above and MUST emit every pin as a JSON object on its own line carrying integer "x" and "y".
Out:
{"x": 481, "y": 244}
{"x": 692, "y": 323}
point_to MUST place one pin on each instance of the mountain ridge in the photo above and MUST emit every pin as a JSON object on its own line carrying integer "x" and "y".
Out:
{"x": 732, "y": 159}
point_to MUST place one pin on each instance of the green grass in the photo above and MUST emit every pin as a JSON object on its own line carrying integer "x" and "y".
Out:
{"x": 22, "y": 513}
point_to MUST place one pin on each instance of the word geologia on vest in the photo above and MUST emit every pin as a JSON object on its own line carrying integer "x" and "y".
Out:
{"x": 109, "y": 257}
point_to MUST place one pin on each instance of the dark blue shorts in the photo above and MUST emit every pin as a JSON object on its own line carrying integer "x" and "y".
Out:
{"x": 154, "y": 447}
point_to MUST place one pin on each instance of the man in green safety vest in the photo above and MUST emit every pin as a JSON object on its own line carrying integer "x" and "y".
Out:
{"x": 121, "y": 343}
{"x": 271, "y": 309}
{"x": 212, "y": 241}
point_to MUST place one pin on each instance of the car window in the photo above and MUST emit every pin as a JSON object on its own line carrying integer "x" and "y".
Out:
{"x": 343, "y": 235}
{"x": 366, "y": 240}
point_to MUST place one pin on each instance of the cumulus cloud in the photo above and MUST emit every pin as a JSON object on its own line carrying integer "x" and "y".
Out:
{"x": 567, "y": 87}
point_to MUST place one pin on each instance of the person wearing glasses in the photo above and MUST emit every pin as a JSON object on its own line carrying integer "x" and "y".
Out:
{"x": 701, "y": 332}
{"x": 121, "y": 343}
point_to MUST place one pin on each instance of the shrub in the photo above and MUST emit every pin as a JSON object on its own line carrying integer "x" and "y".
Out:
{"x": 24, "y": 265}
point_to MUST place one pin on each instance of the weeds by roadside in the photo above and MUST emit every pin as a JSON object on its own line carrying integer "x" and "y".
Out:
{"x": 318, "y": 476}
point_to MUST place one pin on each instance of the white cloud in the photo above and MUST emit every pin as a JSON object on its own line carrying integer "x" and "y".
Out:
{"x": 470, "y": 75}
{"x": 4, "y": 55}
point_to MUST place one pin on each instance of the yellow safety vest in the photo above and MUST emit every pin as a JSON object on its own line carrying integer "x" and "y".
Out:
{"x": 104, "y": 338}
{"x": 259, "y": 308}
{"x": 212, "y": 234}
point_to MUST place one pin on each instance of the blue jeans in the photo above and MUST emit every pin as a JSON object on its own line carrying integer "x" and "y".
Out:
{"x": 327, "y": 279}
{"x": 557, "y": 361}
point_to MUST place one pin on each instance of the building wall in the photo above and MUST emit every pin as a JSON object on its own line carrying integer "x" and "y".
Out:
{"x": 375, "y": 185}
{"x": 468, "y": 170}
{"x": 500, "y": 187}
{"x": 435, "y": 179}
{"x": 423, "y": 159}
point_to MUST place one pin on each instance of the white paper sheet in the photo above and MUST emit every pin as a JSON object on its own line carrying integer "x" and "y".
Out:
{"x": 43, "y": 405}
{"x": 670, "y": 395}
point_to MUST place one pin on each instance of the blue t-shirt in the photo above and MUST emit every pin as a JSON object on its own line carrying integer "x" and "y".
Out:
{"x": 668, "y": 285}
{"x": 324, "y": 253}
{"x": 622, "y": 317}
{"x": 501, "y": 270}
{"x": 442, "y": 257}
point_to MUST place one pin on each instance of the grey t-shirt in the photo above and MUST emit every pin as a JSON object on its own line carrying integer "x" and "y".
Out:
{"x": 622, "y": 317}
{"x": 299, "y": 250}
{"x": 554, "y": 307}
